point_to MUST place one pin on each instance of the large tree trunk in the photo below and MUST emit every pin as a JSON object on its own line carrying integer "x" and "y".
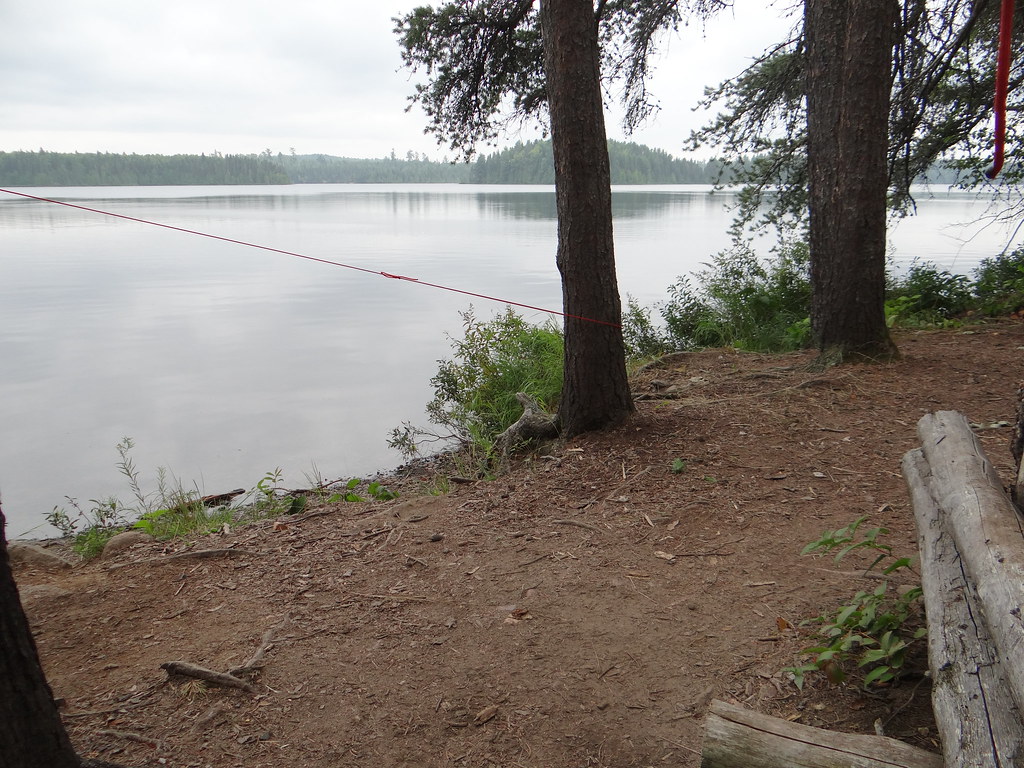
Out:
{"x": 596, "y": 389}
{"x": 849, "y": 58}
{"x": 31, "y": 732}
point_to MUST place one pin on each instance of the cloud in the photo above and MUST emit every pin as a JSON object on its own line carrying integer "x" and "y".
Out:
{"x": 199, "y": 75}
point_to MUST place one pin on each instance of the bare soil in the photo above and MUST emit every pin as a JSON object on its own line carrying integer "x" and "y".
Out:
{"x": 581, "y": 610}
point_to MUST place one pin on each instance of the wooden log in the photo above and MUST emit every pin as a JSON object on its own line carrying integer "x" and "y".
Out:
{"x": 738, "y": 738}
{"x": 978, "y": 722}
{"x": 1018, "y": 488}
{"x": 986, "y": 529}
{"x": 1017, "y": 450}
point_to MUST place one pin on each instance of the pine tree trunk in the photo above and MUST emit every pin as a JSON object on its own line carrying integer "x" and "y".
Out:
{"x": 31, "y": 732}
{"x": 595, "y": 393}
{"x": 849, "y": 55}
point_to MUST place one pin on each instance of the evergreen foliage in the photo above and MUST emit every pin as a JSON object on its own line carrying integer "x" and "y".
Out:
{"x": 528, "y": 163}
{"x": 97, "y": 169}
{"x": 631, "y": 163}
{"x": 943, "y": 69}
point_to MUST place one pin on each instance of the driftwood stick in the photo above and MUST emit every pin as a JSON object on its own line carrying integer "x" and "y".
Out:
{"x": 579, "y": 524}
{"x": 128, "y": 736}
{"x": 201, "y": 673}
{"x": 194, "y": 554}
{"x": 256, "y": 660}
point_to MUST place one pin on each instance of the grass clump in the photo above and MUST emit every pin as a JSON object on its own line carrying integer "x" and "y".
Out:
{"x": 172, "y": 511}
{"x": 475, "y": 390}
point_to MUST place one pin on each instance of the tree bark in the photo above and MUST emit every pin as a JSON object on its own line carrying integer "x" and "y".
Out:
{"x": 595, "y": 391}
{"x": 31, "y": 732}
{"x": 849, "y": 59}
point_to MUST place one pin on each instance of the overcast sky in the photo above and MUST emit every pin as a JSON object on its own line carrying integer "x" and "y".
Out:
{"x": 241, "y": 76}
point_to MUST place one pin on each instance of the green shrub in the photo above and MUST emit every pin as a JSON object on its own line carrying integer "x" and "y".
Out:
{"x": 999, "y": 283}
{"x": 475, "y": 391}
{"x": 643, "y": 339}
{"x": 743, "y": 301}
{"x": 927, "y": 296}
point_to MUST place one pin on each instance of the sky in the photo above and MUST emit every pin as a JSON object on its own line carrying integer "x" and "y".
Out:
{"x": 316, "y": 76}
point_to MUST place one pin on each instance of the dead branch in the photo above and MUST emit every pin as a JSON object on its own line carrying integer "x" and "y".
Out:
{"x": 128, "y": 736}
{"x": 256, "y": 660}
{"x": 201, "y": 673}
{"x": 197, "y": 554}
{"x": 578, "y": 524}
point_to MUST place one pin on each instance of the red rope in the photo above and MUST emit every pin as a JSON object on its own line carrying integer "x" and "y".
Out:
{"x": 308, "y": 258}
{"x": 1002, "y": 85}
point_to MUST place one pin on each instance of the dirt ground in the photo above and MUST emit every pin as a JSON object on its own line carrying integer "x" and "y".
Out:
{"x": 535, "y": 620}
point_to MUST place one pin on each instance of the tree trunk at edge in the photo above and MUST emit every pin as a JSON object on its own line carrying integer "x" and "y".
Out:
{"x": 31, "y": 732}
{"x": 595, "y": 392}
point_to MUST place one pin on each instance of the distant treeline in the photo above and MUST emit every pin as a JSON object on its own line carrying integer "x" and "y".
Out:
{"x": 94, "y": 169}
{"x": 529, "y": 163}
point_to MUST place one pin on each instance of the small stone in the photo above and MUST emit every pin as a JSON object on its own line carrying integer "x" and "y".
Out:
{"x": 123, "y": 541}
{"x": 34, "y": 556}
{"x": 437, "y": 537}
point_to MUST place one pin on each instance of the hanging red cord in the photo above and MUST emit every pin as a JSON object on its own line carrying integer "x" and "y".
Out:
{"x": 1002, "y": 85}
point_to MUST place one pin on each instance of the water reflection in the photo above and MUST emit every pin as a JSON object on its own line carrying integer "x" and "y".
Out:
{"x": 224, "y": 362}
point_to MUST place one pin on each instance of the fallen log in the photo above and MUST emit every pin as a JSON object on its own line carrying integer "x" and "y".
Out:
{"x": 1017, "y": 450}
{"x": 987, "y": 532}
{"x": 977, "y": 719}
{"x": 738, "y": 738}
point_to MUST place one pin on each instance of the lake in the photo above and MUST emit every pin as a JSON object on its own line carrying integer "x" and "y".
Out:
{"x": 224, "y": 362}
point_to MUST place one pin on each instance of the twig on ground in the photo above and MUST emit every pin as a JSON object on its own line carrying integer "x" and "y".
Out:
{"x": 579, "y": 524}
{"x": 201, "y": 673}
{"x": 191, "y": 554}
{"x": 128, "y": 736}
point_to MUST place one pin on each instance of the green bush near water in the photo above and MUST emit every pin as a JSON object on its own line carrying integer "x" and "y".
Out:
{"x": 739, "y": 300}
{"x": 745, "y": 302}
{"x": 172, "y": 511}
{"x": 475, "y": 390}
{"x": 999, "y": 283}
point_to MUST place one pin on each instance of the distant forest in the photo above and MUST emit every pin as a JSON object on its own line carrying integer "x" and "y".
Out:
{"x": 528, "y": 163}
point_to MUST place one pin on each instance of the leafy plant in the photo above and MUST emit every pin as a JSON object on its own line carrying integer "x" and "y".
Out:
{"x": 999, "y": 283}
{"x": 90, "y": 528}
{"x": 873, "y": 630}
{"x": 475, "y": 391}
{"x": 643, "y": 339}
{"x": 374, "y": 489}
{"x": 927, "y": 297}
{"x": 743, "y": 301}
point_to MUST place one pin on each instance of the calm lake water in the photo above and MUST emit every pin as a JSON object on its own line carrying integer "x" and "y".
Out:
{"x": 224, "y": 362}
